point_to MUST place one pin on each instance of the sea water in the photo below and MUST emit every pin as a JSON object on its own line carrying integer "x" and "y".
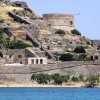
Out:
{"x": 49, "y": 93}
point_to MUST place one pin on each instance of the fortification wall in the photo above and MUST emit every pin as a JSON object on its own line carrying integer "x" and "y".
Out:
{"x": 60, "y": 21}
{"x": 24, "y": 73}
{"x": 15, "y": 73}
{"x": 20, "y": 78}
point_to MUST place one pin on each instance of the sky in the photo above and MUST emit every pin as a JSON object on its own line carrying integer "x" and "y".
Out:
{"x": 87, "y": 22}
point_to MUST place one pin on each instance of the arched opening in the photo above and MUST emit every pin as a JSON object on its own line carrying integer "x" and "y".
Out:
{"x": 1, "y": 55}
{"x": 19, "y": 56}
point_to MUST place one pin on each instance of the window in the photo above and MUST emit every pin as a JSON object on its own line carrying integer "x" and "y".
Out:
{"x": 41, "y": 61}
{"x": 71, "y": 23}
{"x": 92, "y": 58}
{"x": 48, "y": 47}
{"x": 32, "y": 61}
{"x": 10, "y": 56}
{"x": 49, "y": 24}
{"x": 36, "y": 61}
{"x": 96, "y": 57}
{"x": 19, "y": 56}
{"x": 21, "y": 62}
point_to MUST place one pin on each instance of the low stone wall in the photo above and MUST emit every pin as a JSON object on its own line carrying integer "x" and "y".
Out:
{"x": 18, "y": 18}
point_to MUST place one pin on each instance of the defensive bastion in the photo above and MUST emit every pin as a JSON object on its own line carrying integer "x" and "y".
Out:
{"x": 60, "y": 21}
{"x": 23, "y": 73}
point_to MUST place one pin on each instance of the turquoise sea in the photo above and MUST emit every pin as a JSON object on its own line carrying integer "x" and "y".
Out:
{"x": 49, "y": 93}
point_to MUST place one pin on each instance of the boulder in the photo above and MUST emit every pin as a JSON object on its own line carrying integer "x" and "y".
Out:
{"x": 5, "y": 1}
{"x": 20, "y": 4}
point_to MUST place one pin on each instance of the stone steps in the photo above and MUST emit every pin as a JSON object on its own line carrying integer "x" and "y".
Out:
{"x": 50, "y": 56}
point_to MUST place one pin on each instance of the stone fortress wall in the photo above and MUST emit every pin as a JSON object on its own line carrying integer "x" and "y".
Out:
{"x": 24, "y": 73}
{"x": 60, "y": 21}
{"x": 48, "y": 22}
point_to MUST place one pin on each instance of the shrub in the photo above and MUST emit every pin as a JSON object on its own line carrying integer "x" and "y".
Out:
{"x": 18, "y": 45}
{"x": 60, "y": 32}
{"x": 64, "y": 78}
{"x": 1, "y": 36}
{"x": 83, "y": 57}
{"x": 66, "y": 57}
{"x": 75, "y": 79}
{"x": 42, "y": 78}
{"x": 1, "y": 21}
{"x": 76, "y": 32}
{"x": 93, "y": 80}
{"x": 58, "y": 79}
{"x": 33, "y": 77}
{"x": 76, "y": 57}
{"x": 79, "y": 49}
{"x": 81, "y": 78}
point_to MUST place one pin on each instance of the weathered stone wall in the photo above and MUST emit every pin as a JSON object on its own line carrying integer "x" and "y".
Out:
{"x": 42, "y": 24}
{"x": 15, "y": 73}
{"x": 96, "y": 43}
{"x": 13, "y": 56}
{"x": 32, "y": 29}
{"x": 20, "y": 78}
{"x": 24, "y": 73}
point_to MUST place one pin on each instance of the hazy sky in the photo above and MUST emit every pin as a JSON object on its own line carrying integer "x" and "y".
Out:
{"x": 87, "y": 22}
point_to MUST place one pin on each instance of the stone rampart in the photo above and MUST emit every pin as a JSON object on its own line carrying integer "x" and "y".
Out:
{"x": 53, "y": 15}
{"x": 60, "y": 21}
{"x": 24, "y": 73}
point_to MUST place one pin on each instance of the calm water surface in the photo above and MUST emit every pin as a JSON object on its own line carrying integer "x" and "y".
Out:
{"x": 49, "y": 93}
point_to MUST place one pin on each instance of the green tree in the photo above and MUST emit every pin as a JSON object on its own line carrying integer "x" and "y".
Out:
{"x": 1, "y": 20}
{"x": 83, "y": 57}
{"x": 1, "y": 36}
{"x": 66, "y": 57}
{"x": 19, "y": 45}
{"x": 75, "y": 79}
{"x": 81, "y": 78}
{"x": 33, "y": 77}
{"x": 60, "y": 32}
{"x": 42, "y": 78}
{"x": 6, "y": 42}
{"x": 79, "y": 49}
{"x": 58, "y": 79}
{"x": 92, "y": 80}
{"x": 76, "y": 32}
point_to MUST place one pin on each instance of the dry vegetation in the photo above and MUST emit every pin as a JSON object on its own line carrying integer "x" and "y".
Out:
{"x": 4, "y": 9}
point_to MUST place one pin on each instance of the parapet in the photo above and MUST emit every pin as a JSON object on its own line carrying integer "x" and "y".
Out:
{"x": 57, "y": 15}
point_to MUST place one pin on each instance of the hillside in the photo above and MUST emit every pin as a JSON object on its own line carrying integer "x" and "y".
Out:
{"x": 20, "y": 23}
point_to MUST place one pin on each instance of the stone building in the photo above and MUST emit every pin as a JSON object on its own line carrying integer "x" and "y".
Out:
{"x": 95, "y": 57}
{"x": 16, "y": 56}
{"x": 12, "y": 56}
{"x": 96, "y": 43}
{"x": 37, "y": 60}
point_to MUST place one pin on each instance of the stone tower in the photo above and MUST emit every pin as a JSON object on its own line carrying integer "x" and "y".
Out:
{"x": 60, "y": 21}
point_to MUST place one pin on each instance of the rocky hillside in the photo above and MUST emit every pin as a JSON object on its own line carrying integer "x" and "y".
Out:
{"x": 22, "y": 10}
{"x": 18, "y": 20}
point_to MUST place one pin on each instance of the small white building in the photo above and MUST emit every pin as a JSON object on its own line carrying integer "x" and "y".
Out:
{"x": 38, "y": 60}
